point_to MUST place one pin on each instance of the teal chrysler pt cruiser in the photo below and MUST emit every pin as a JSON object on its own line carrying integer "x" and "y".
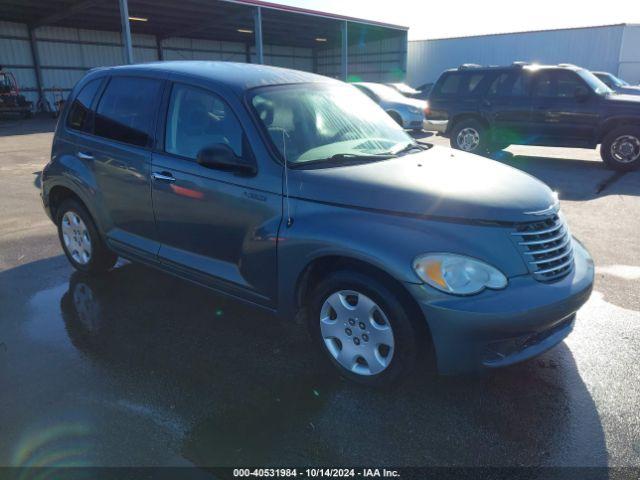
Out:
{"x": 298, "y": 194}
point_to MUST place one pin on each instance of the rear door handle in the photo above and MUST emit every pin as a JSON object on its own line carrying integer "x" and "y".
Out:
{"x": 163, "y": 177}
{"x": 84, "y": 156}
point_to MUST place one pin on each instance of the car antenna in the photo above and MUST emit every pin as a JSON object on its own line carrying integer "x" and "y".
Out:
{"x": 286, "y": 177}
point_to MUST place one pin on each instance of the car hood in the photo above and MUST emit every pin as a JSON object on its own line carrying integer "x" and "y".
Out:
{"x": 625, "y": 99}
{"x": 630, "y": 90}
{"x": 439, "y": 182}
{"x": 405, "y": 102}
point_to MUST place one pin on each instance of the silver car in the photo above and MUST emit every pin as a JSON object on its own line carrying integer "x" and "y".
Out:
{"x": 407, "y": 112}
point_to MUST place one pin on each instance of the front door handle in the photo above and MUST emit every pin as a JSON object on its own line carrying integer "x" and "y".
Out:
{"x": 84, "y": 156}
{"x": 163, "y": 177}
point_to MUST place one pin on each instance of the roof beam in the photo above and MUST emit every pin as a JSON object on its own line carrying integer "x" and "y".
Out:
{"x": 183, "y": 32}
{"x": 62, "y": 14}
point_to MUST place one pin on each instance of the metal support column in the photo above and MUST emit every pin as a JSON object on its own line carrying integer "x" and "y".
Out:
{"x": 35, "y": 57}
{"x": 159, "y": 49}
{"x": 257, "y": 30}
{"x": 405, "y": 54}
{"x": 344, "y": 70}
{"x": 247, "y": 53}
{"x": 126, "y": 32}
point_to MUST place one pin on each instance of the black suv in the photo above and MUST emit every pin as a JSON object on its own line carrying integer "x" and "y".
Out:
{"x": 489, "y": 108}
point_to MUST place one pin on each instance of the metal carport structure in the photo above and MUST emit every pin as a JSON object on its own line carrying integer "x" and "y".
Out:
{"x": 250, "y": 31}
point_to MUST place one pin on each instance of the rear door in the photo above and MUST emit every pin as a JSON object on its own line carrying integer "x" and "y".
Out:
{"x": 216, "y": 226}
{"x": 506, "y": 104}
{"x": 120, "y": 149}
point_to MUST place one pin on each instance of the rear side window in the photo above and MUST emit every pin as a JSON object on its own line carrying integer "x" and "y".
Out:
{"x": 80, "y": 113}
{"x": 127, "y": 109}
{"x": 472, "y": 82}
{"x": 508, "y": 84}
{"x": 198, "y": 119}
{"x": 449, "y": 85}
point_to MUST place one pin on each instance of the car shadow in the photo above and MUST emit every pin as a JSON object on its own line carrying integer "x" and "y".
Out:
{"x": 574, "y": 179}
{"x": 252, "y": 390}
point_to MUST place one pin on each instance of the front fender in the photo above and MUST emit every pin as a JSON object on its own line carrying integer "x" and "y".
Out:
{"x": 387, "y": 242}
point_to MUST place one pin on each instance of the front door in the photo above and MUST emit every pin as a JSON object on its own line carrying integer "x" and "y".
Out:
{"x": 564, "y": 109}
{"x": 215, "y": 225}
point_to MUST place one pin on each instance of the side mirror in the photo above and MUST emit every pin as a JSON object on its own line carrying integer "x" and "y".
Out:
{"x": 581, "y": 94}
{"x": 221, "y": 157}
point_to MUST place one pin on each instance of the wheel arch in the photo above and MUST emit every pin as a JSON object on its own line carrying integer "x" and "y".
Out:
{"x": 611, "y": 124}
{"x": 456, "y": 120}
{"x": 396, "y": 116}
{"x": 322, "y": 266}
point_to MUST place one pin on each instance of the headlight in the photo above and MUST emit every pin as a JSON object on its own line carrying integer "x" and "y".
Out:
{"x": 458, "y": 274}
{"x": 414, "y": 110}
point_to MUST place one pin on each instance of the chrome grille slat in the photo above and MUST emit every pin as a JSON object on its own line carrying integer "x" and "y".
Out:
{"x": 546, "y": 246}
{"x": 545, "y": 240}
{"x": 558, "y": 267}
{"x": 549, "y": 250}
{"x": 553, "y": 259}
{"x": 540, "y": 232}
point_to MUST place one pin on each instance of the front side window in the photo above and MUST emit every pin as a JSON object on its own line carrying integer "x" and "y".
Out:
{"x": 80, "y": 113}
{"x": 198, "y": 119}
{"x": 127, "y": 109}
{"x": 309, "y": 123}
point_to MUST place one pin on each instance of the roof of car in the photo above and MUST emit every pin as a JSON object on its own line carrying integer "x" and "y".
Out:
{"x": 515, "y": 65}
{"x": 237, "y": 76}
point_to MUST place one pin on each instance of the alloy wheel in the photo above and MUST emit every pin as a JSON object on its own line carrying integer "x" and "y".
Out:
{"x": 468, "y": 139}
{"x": 357, "y": 332}
{"x": 626, "y": 149}
{"x": 76, "y": 238}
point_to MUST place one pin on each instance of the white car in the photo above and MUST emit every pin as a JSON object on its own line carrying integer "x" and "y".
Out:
{"x": 407, "y": 112}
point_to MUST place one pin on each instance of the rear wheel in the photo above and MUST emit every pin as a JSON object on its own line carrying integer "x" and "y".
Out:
{"x": 80, "y": 239}
{"x": 362, "y": 327}
{"x": 469, "y": 136}
{"x": 620, "y": 149}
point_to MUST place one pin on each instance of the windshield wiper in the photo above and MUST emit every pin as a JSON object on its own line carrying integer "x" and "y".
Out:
{"x": 344, "y": 159}
{"x": 407, "y": 148}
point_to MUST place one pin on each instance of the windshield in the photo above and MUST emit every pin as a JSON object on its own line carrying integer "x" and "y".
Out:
{"x": 594, "y": 82}
{"x": 618, "y": 82}
{"x": 314, "y": 122}
{"x": 405, "y": 89}
{"x": 385, "y": 92}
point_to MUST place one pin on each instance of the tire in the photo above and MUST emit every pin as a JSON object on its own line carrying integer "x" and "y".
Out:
{"x": 389, "y": 363}
{"x": 620, "y": 149}
{"x": 80, "y": 240}
{"x": 469, "y": 136}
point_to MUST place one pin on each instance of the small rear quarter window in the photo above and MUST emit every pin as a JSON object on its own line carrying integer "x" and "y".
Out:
{"x": 80, "y": 113}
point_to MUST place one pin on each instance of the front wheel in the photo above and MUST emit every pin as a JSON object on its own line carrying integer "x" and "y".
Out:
{"x": 620, "y": 149}
{"x": 363, "y": 328}
{"x": 469, "y": 136}
{"x": 80, "y": 239}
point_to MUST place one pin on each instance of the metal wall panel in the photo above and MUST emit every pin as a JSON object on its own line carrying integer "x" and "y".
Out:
{"x": 595, "y": 48}
{"x": 372, "y": 61}
{"x": 629, "y": 68}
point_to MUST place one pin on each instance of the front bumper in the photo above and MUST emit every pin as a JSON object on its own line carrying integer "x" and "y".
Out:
{"x": 439, "y": 126}
{"x": 500, "y": 328}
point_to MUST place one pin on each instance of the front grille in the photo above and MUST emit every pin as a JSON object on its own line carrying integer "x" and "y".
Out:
{"x": 547, "y": 248}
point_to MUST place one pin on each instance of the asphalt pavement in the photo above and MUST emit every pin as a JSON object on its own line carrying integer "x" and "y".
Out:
{"x": 139, "y": 368}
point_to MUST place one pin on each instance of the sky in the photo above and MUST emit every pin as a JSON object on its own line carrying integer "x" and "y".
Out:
{"x": 455, "y": 18}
